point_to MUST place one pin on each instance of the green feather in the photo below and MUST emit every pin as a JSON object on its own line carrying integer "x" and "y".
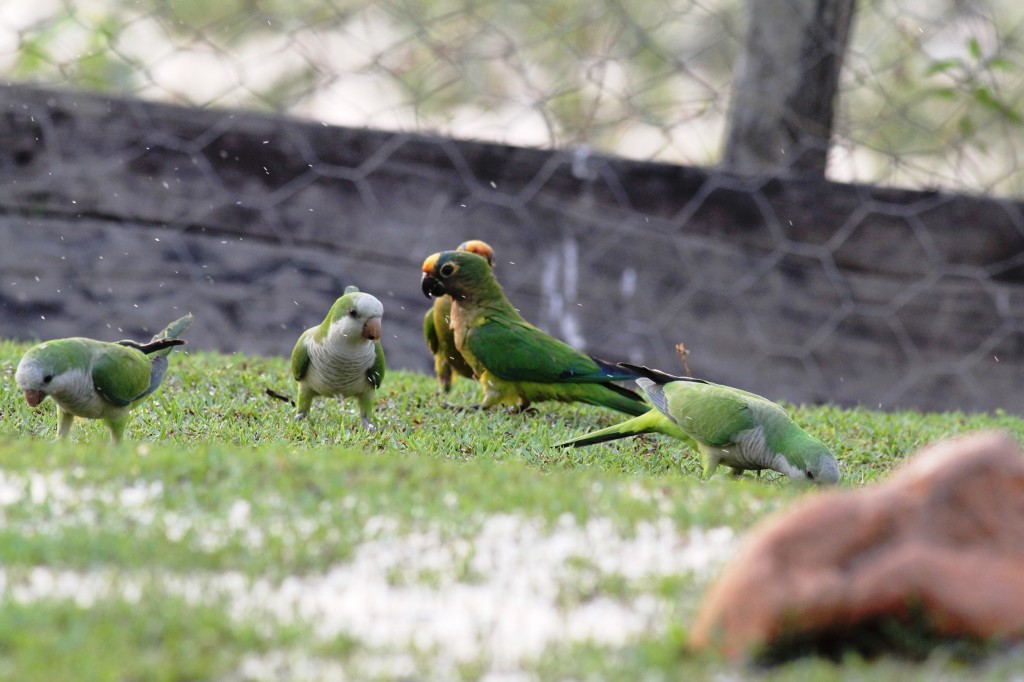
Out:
{"x": 430, "y": 329}
{"x": 175, "y": 329}
{"x": 709, "y": 413}
{"x": 726, "y": 426}
{"x": 651, "y": 421}
{"x": 440, "y": 338}
{"x": 513, "y": 349}
{"x": 375, "y": 375}
{"x": 336, "y": 367}
{"x": 516, "y": 362}
{"x": 97, "y": 379}
{"x": 120, "y": 374}
{"x": 438, "y": 333}
{"x": 300, "y": 357}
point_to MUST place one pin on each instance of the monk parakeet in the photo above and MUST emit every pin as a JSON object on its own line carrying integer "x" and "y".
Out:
{"x": 726, "y": 426}
{"x": 342, "y": 356}
{"x": 438, "y": 332}
{"x": 517, "y": 363}
{"x": 97, "y": 379}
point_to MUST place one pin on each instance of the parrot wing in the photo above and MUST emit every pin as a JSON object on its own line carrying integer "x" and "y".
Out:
{"x": 430, "y": 331}
{"x": 711, "y": 414}
{"x": 175, "y": 329}
{"x": 515, "y": 350}
{"x": 300, "y": 357}
{"x": 120, "y": 375}
{"x": 375, "y": 375}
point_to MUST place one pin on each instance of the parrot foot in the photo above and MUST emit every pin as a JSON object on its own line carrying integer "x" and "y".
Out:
{"x": 523, "y": 409}
{"x": 299, "y": 416}
{"x": 368, "y": 425}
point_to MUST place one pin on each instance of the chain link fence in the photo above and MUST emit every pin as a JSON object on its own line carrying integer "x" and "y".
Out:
{"x": 795, "y": 297}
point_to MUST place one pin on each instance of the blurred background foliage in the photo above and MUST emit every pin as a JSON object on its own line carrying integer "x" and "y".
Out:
{"x": 930, "y": 90}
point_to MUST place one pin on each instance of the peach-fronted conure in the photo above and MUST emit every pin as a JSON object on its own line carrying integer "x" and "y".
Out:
{"x": 437, "y": 329}
{"x": 517, "y": 363}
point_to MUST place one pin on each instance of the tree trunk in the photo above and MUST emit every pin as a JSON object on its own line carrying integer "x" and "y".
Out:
{"x": 780, "y": 121}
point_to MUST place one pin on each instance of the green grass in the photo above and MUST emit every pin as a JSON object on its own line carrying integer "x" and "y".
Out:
{"x": 216, "y": 480}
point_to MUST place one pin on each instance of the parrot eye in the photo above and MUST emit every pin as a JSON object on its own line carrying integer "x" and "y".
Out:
{"x": 810, "y": 476}
{"x": 447, "y": 270}
{"x": 353, "y": 313}
{"x": 48, "y": 378}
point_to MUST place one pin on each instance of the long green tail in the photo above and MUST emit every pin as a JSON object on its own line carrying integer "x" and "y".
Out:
{"x": 651, "y": 421}
{"x": 162, "y": 343}
{"x": 158, "y": 349}
{"x": 175, "y": 329}
{"x": 172, "y": 332}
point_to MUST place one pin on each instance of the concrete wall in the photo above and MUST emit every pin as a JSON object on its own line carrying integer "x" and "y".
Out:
{"x": 117, "y": 215}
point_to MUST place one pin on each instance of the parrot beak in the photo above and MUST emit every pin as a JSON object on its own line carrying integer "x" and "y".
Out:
{"x": 431, "y": 286}
{"x": 371, "y": 330}
{"x": 33, "y": 398}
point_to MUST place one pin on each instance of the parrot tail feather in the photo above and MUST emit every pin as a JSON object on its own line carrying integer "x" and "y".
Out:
{"x": 625, "y": 392}
{"x": 163, "y": 341}
{"x": 648, "y": 422}
{"x": 602, "y": 436}
{"x": 656, "y": 375}
{"x": 175, "y": 329}
{"x": 153, "y": 346}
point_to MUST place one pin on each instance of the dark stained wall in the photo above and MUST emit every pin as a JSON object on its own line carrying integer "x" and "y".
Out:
{"x": 117, "y": 215}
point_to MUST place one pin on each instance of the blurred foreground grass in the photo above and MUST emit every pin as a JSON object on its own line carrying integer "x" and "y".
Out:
{"x": 168, "y": 558}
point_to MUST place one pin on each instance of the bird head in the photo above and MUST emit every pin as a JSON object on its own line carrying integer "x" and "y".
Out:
{"x": 813, "y": 462}
{"x": 480, "y": 248}
{"x": 456, "y": 273}
{"x": 42, "y": 372}
{"x": 357, "y": 316}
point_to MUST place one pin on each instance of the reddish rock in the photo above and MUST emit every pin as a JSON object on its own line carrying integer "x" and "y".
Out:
{"x": 938, "y": 549}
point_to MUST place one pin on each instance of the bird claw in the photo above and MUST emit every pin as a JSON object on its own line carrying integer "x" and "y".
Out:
{"x": 299, "y": 417}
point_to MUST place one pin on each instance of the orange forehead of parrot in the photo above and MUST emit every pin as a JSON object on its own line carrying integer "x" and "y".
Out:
{"x": 478, "y": 247}
{"x": 428, "y": 265}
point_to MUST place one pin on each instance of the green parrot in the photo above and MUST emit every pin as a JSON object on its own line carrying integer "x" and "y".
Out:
{"x": 726, "y": 426}
{"x": 342, "y": 355}
{"x": 517, "y": 363}
{"x": 97, "y": 379}
{"x": 437, "y": 330}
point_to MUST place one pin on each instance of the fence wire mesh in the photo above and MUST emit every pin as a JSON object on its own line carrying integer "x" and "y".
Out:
{"x": 931, "y": 94}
